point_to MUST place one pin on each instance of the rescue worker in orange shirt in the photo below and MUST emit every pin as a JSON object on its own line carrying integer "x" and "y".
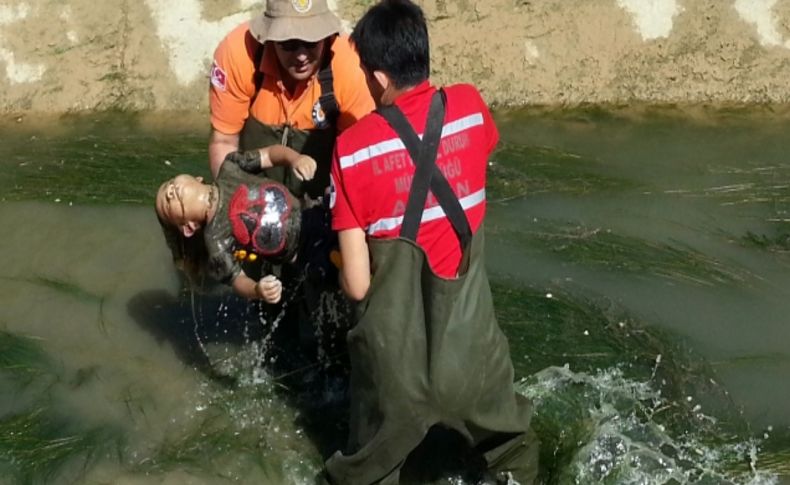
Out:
{"x": 286, "y": 77}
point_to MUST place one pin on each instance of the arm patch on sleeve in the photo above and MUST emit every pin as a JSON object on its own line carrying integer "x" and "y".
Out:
{"x": 218, "y": 77}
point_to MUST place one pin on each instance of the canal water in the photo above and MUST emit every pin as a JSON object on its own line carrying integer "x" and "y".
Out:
{"x": 640, "y": 263}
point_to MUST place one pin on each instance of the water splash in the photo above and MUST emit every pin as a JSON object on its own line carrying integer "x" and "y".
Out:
{"x": 604, "y": 428}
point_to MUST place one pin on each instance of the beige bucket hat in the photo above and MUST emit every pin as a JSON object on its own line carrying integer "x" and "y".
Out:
{"x": 307, "y": 20}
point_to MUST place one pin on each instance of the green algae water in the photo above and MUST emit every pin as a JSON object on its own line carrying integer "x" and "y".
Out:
{"x": 640, "y": 270}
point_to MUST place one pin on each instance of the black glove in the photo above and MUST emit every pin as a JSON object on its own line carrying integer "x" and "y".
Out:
{"x": 249, "y": 161}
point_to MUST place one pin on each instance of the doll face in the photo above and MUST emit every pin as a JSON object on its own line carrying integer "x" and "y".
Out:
{"x": 183, "y": 202}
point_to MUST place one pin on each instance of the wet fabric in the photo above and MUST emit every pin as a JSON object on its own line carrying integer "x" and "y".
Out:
{"x": 318, "y": 240}
{"x": 428, "y": 351}
{"x": 312, "y": 277}
{"x": 266, "y": 220}
{"x": 218, "y": 233}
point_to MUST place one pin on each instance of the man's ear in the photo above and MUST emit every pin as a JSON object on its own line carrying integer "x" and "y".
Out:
{"x": 199, "y": 179}
{"x": 382, "y": 78}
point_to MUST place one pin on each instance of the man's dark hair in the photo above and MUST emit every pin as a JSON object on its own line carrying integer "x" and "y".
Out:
{"x": 392, "y": 37}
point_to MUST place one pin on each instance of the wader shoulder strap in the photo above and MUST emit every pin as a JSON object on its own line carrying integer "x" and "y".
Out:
{"x": 326, "y": 78}
{"x": 427, "y": 174}
{"x": 257, "y": 77}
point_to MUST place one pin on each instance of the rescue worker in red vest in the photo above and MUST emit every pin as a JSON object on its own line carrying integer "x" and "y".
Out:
{"x": 408, "y": 202}
{"x": 286, "y": 77}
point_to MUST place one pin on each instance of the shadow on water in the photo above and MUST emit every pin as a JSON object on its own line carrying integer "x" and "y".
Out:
{"x": 173, "y": 320}
{"x": 209, "y": 330}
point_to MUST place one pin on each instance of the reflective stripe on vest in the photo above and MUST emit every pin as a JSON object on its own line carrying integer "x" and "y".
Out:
{"x": 395, "y": 144}
{"x": 427, "y": 176}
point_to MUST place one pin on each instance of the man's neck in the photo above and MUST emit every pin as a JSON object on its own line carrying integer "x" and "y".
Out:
{"x": 392, "y": 93}
{"x": 290, "y": 84}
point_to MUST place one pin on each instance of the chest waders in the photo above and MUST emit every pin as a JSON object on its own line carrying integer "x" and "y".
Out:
{"x": 427, "y": 350}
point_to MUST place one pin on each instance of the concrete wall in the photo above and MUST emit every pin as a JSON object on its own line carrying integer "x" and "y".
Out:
{"x": 75, "y": 55}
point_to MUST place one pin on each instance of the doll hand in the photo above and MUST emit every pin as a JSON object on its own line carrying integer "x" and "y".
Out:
{"x": 270, "y": 289}
{"x": 304, "y": 167}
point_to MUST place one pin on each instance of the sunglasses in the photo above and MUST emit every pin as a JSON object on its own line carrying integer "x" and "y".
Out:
{"x": 292, "y": 45}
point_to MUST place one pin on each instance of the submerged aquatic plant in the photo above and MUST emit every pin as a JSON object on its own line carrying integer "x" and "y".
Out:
{"x": 253, "y": 430}
{"x": 21, "y": 358}
{"x": 66, "y": 288}
{"x": 36, "y": 446}
{"x": 778, "y": 242}
{"x": 774, "y": 453}
{"x": 100, "y": 152}
{"x": 520, "y": 170}
{"x": 206, "y": 447}
{"x": 751, "y": 184}
{"x": 62, "y": 286}
{"x": 609, "y": 250}
{"x": 38, "y": 443}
